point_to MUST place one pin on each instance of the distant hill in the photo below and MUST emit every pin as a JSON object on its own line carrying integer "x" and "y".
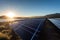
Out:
{"x": 55, "y": 15}
{"x": 3, "y": 17}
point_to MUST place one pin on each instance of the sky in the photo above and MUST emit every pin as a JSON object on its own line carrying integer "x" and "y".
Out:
{"x": 30, "y": 7}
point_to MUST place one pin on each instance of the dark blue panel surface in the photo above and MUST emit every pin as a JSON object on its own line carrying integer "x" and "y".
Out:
{"x": 28, "y": 29}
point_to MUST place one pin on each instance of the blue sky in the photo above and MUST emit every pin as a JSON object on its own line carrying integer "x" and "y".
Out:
{"x": 30, "y": 7}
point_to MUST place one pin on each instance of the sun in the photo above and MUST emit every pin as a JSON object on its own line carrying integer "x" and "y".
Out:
{"x": 10, "y": 15}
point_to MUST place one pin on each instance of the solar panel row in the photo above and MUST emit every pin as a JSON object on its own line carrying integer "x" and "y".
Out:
{"x": 28, "y": 29}
{"x": 56, "y": 22}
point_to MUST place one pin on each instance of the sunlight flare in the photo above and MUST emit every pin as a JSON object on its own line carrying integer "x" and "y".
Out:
{"x": 10, "y": 14}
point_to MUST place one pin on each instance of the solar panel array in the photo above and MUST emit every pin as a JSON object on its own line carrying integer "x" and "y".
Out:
{"x": 56, "y": 22}
{"x": 28, "y": 29}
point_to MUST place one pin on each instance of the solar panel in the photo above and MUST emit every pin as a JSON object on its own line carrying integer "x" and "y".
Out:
{"x": 56, "y": 22}
{"x": 28, "y": 29}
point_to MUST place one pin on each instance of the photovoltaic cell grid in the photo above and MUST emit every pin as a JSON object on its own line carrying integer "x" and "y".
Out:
{"x": 56, "y": 22}
{"x": 28, "y": 29}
